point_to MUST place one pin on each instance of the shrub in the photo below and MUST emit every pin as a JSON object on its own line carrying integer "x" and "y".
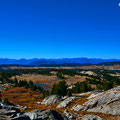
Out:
{"x": 6, "y": 101}
{"x": 60, "y": 88}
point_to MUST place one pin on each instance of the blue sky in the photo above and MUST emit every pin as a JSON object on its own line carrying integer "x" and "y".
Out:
{"x": 59, "y": 28}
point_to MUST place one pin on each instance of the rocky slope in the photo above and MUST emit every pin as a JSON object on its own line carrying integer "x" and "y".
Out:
{"x": 85, "y": 106}
{"x": 108, "y": 102}
{"x": 9, "y": 112}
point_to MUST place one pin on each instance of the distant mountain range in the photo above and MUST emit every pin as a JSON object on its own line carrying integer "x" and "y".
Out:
{"x": 67, "y": 61}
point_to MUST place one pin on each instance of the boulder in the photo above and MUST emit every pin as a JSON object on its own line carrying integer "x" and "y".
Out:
{"x": 90, "y": 117}
{"x": 11, "y": 112}
{"x": 21, "y": 117}
{"x": 66, "y": 102}
{"x": 8, "y": 107}
{"x": 77, "y": 108}
{"x": 44, "y": 115}
{"x": 53, "y": 99}
{"x": 95, "y": 94}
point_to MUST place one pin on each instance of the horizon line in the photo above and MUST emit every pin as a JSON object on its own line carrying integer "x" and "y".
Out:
{"x": 59, "y": 58}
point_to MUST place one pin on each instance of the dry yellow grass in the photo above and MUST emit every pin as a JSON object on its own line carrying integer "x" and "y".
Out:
{"x": 113, "y": 67}
{"x": 22, "y": 96}
{"x": 49, "y": 80}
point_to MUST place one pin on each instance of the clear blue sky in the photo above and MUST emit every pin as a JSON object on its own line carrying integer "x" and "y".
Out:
{"x": 59, "y": 28}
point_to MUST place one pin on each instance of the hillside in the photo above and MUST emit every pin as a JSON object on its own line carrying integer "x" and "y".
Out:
{"x": 68, "y": 94}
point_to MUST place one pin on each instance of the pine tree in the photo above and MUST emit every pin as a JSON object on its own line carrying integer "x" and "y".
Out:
{"x": 16, "y": 82}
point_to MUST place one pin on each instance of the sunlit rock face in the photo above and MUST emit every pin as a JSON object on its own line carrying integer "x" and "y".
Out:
{"x": 107, "y": 102}
{"x": 66, "y": 102}
{"x": 50, "y": 100}
{"x": 90, "y": 117}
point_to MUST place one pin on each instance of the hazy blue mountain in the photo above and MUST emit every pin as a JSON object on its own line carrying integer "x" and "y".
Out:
{"x": 37, "y": 62}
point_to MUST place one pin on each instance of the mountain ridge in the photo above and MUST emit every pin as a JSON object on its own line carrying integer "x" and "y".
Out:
{"x": 44, "y": 61}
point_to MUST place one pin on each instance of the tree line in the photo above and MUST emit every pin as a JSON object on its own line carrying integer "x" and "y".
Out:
{"x": 62, "y": 88}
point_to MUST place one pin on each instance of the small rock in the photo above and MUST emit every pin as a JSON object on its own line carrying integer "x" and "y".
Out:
{"x": 38, "y": 102}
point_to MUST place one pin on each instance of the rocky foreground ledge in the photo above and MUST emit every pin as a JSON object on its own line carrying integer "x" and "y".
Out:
{"x": 107, "y": 103}
{"x": 10, "y": 112}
